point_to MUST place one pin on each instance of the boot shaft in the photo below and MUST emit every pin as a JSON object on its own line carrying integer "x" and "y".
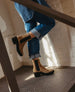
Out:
{"x": 35, "y": 65}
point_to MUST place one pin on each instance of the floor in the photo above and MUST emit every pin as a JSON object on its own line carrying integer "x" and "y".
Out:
{"x": 63, "y": 80}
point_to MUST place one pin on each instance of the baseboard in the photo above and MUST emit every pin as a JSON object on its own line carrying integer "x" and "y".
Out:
{"x": 56, "y": 67}
{"x": 63, "y": 67}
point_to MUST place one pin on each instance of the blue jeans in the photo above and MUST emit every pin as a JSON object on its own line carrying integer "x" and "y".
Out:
{"x": 46, "y": 24}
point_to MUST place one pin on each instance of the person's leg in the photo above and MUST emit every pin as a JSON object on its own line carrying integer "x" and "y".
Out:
{"x": 42, "y": 29}
{"x": 46, "y": 24}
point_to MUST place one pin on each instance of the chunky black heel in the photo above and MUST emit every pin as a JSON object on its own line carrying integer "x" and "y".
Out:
{"x": 14, "y": 40}
{"x": 37, "y": 74}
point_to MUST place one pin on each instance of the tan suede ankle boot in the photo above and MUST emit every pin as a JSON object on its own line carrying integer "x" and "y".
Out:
{"x": 20, "y": 41}
{"x": 39, "y": 70}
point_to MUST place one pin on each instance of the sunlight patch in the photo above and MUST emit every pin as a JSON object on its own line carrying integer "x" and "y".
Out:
{"x": 49, "y": 52}
{"x": 29, "y": 77}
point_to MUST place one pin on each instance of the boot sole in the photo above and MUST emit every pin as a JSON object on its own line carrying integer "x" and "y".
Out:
{"x": 38, "y": 74}
{"x": 15, "y": 41}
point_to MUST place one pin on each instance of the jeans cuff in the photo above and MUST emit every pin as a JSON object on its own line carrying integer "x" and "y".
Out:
{"x": 36, "y": 33}
{"x": 35, "y": 56}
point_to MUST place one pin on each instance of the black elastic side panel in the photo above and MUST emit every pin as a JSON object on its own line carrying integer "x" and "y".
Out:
{"x": 37, "y": 66}
{"x": 25, "y": 39}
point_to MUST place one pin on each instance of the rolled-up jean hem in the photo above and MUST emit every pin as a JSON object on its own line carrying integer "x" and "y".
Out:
{"x": 36, "y": 33}
{"x": 35, "y": 56}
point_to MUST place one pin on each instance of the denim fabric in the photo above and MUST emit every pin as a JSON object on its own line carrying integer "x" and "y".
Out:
{"x": 24, "y": 12}
{"x": 46, "y": 24}
{"x": 27, "y": 13}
